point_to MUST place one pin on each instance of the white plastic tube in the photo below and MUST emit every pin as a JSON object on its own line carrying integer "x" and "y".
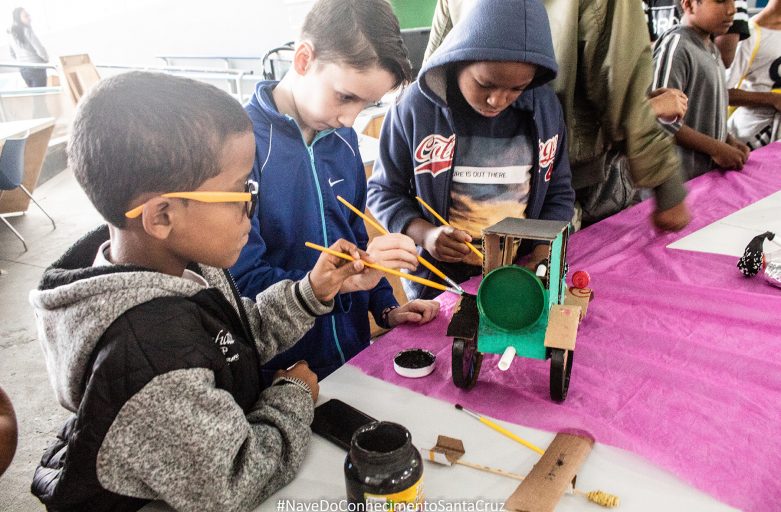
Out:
{"x": 507, "y": 358}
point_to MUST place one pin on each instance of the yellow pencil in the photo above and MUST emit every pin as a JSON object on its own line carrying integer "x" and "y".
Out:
{"x": 501, "y": 430}
{"x": 446, "y": 223}
{"x": 394, "y": 272}
{"x": 382, "y": 230}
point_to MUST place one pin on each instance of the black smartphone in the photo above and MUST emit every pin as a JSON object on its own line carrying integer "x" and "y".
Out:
{"x": 338, "y": 421}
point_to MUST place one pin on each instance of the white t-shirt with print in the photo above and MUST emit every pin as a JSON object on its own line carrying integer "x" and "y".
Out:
{"x": 764, "y": 75}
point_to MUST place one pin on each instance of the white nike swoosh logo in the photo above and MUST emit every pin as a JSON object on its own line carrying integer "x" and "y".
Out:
{"x": 332, "y": 183}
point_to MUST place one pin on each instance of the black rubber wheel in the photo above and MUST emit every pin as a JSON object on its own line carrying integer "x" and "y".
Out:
{"x": 466, "y": 362}
{"x": 560, "y": 371}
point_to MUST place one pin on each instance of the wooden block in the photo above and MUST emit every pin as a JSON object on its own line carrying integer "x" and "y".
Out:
{"x": 562, "y": 327}
{"x": 543, "y": 487}
{"x": 579, "y": 297}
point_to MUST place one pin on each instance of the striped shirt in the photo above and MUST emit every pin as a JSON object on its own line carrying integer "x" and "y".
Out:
{"x": 682, "y": 60}
{"x": 662, "y": 15}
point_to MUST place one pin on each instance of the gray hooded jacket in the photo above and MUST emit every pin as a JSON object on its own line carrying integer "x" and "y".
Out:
{"x": 162, "y": 375}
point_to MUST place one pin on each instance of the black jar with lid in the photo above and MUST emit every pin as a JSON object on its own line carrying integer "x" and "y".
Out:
{"x": 383, "y": 466}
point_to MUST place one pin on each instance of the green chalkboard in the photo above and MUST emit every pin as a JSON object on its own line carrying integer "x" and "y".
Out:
{"x": 414, "y": 13}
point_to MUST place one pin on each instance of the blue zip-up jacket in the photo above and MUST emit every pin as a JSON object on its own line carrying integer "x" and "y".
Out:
{"x": 298, "y": 185}
{"x": 418, "y": 144}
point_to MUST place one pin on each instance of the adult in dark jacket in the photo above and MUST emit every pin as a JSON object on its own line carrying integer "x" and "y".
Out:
{"x": 479, "y": 137}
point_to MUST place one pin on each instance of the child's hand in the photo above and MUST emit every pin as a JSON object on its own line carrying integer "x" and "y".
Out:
{"x": 366, "y": 280}
{"x": 447, "y": 244}
{"x": 668, "y": 104}
{"x": 735, "y": 143}
{"x": 672, "y": 219}
{"x": 394, "y": 250}
{"x": 727, "y": 156}
{"x": 301, "y": 371}
{"x": 330, "y": 272}
{"x": 418, "y": 312}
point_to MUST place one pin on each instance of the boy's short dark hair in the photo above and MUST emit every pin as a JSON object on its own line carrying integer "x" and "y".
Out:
{"x": 142, "y": 132}
{"x": 359, "y": 33}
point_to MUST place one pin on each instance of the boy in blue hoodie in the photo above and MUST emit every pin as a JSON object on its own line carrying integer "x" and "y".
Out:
{"x": 349, "y": 55}
{"x": 479, "y": 137}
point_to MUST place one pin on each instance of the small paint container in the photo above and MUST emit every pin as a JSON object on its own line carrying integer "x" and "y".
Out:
{"x": 414, "y": 363}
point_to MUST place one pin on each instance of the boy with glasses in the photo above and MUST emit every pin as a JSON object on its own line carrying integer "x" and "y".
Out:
{"x": 146, "y": 338}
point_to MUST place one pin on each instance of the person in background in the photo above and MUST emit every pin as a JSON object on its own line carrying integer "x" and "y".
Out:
{"x": 348, "y": 56}
{"x": 686, "y": 58}
{"x": 612, "y": 129}
{"x": 25, "y": 47}
{"x": 754, "y": 81}
{"x": 739, "y": 31}
{"x": 479, "y": 137}
{"x": 8, "y": 432}
{"x": 662, "y": 15}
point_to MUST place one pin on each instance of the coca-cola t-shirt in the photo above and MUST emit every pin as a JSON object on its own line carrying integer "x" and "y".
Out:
{"x": 492, "y": 167}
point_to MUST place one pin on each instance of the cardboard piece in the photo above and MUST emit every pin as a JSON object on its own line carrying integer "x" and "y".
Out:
{"x": 447, "y": 451}
{"x": 579, "y": 297}
{"x": 493, "y": 256}
{"x": 551, "y": 477}
{"x": 562, "y": 327}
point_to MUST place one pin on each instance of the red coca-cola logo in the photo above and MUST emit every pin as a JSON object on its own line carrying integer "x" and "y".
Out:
{"x": 435, "y": 154}
{"x": 548, "y": 155}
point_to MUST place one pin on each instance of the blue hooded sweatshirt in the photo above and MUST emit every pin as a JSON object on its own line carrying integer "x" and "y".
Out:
{"x": 298, "y": 185}
{"x": 418, "y": 145}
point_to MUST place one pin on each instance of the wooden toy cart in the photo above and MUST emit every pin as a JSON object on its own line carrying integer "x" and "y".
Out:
{"x": 516, "y": 312}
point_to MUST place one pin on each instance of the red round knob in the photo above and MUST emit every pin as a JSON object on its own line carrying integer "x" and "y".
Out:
{"x": 581, "y": 279}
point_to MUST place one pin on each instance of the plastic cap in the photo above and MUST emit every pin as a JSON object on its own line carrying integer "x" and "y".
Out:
{"x": 581, "y": 279}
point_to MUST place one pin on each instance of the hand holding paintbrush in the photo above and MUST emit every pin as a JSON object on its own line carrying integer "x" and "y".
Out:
{"x": 391, "y": 271}
{"x": 393, "y": 251}
{"x": 331, "y": 272}
{"x": 383, "y": 231}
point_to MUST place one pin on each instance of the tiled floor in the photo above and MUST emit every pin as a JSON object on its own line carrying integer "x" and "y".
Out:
{"x": 22, "y": 368}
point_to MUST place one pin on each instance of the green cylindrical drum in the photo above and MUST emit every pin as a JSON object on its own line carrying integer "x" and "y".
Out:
{"x": 511, "y": 298}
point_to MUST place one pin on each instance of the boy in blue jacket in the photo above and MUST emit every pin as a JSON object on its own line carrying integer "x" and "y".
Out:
{"x": 479, "y": 137}
{"x": 349, "y": 55}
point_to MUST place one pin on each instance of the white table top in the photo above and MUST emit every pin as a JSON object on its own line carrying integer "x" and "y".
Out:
{"x": 640, "y": 485}
{"x": 731, "y": 234}
{"x": 13, "y": 128}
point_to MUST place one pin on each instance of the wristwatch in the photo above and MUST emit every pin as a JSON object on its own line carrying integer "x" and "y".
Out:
{"x": 300, "y": 383}
{"x": 384, "y": 316}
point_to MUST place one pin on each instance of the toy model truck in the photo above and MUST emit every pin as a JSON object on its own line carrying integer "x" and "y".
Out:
{"x": 518, "y": 312}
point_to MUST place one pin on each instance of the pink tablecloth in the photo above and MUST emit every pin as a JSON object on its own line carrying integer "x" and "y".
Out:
{"x": 678, "y": 360}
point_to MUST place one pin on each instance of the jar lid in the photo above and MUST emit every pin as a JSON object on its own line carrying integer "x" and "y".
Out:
{"x": 414, "y": 363}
